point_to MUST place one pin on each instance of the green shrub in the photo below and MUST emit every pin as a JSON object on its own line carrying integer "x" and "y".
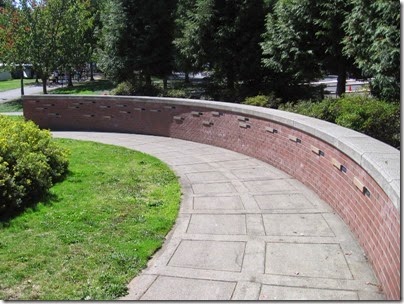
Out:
{"x": 267, "y": 101}
{"x": 30, "y": 163}
{"x": 376, "y": 118}
{"x": 322, "y": 110}
{"x": 177, "y": 93}
{"x": 129, "y": 89}
{"x": 124, "y": 88}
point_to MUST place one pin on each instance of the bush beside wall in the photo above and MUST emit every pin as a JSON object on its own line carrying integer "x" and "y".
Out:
{"x": 376, "y": 118}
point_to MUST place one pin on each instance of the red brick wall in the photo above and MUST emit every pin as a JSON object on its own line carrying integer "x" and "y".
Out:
{"x": 372, "y": 218}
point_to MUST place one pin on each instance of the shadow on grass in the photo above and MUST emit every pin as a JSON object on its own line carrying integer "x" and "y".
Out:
{"x": 86, "y": 87}
{"x": 30, "y": 205}
{"x": 11, "y": 106}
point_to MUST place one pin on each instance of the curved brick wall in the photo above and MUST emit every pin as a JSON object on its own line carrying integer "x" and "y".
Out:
{"x": 357, "y": 175}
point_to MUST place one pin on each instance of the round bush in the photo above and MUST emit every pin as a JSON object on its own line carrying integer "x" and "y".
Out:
{"x": 30, "y": 163}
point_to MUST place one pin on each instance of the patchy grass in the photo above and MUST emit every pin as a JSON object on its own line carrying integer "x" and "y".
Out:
{"x": 11, "y": 106}
{"x": 94, "y": 232}
{"x": 97, "y": 87}
{"x": 12, "y": 84}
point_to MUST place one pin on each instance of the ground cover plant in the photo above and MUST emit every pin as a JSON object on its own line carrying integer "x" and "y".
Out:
{"x": 11, "y": 84}
{"x": 95, "y": 231}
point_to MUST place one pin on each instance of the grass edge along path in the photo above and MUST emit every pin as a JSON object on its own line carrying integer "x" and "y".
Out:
{"x": 13, "y": 84}
{"x": 96, "y": 230}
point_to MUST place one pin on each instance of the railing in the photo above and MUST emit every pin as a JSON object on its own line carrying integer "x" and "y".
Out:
{"x": 355, "y": 174}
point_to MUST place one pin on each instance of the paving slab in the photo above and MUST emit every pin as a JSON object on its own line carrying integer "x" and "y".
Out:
{"x": 296, "y": 225}
{"x": 283, "y": 201}
{"x": 213, "y": 255}
{"x": 257, "y": 173}
{"x": 307, "y": 260}
{"x": 217, "y": 224}
{"x": 171, "y": 288}
{"x": 245, "y": 231}
{"x": 270, "y": 185}
{"x": 218, "y": 203}
{"x": 289, "y": 293}
{"x": 199, "y": 177}
{"x": 213, "y": 188}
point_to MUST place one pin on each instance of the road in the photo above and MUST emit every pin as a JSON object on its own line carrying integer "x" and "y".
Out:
{"x": 352, "y": 85}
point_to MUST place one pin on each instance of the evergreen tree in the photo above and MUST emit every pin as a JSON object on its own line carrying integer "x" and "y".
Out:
{"x": 222, "y": 35}
{"x": 236, "y": 33}
{"x": 193, "y": 22}
{"x": 303, "y": 41}
{"x": 289, "y": 46}
{"x": 373, "y": 41}
{"x": 137, "y": 39}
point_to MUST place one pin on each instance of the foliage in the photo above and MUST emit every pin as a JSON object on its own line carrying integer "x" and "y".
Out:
{"x": 303, "y": 41}
{"x": 192, "y": 22}
{"x": 137, "y": 39}
{"x": 373, "y": 41}
{"x": 236, "y": 29}
{"x": 30, "y": 163}
{"x": 14, "y": 38}
{"x": 267, "y": 101}
{"x": 376, "y": 118}
{"x": 223, "y": 36}
{"x": 178, "y": 93}
{"x": 124, "y": 88}
{"x": 74, "y": 48}
{"x": 45, "y": 33}
{"x": 128, "y": 88}
{"x": 288, "y": 48}
{"x": 95, "y": 231}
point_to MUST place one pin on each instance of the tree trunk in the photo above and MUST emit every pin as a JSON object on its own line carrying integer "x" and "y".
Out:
{"x": 44, "y": 79}
{"x": 165, "y": 84}
{"x": 148, "y": 79}
{"x": 231, "y": 81}
{"x": 91, "y": 72}
{"x": 70, "y": 80}
{"x": 22, "y": 82}
{"x": 341, "y": 81}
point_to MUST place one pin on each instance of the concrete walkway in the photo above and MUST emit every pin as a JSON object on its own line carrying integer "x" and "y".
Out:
{"x": 245, "y": 231}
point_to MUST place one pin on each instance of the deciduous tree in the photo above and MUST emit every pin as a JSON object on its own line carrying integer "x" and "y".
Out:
{"x": 14, "y": 37}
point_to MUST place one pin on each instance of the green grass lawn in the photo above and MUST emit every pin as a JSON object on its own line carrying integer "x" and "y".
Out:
{"x": 11, "y": 84}
{"x": 95, "y": 231}
{"x": 97, "y": 87}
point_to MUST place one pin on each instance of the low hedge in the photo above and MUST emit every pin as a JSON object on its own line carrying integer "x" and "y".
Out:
{"x": 376, "y": 118}
{"x": 30, "y": 163}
